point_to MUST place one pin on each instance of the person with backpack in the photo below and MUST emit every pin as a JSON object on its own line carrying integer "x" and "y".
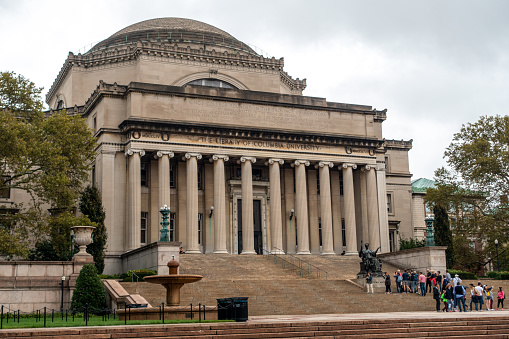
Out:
{"x": 459, "y": 297}
{"x": 489, "y": 298}
{"x": 473, "y": 298}
{"x": 449, "y": 295}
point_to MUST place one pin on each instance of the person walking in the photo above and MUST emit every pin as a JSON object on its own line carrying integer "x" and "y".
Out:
{"x": 439, "y": 281}
{"x": 457, "y": 280}
{"x": 387, "y": 283}
{"x": 428, "y": 280}
{"x": 473, "y": 297}
{"x": 445, "y": 301}
{"x": 501, "y": 297}
{"x": 449, "y": 295}
{"x": 369, "y": 283}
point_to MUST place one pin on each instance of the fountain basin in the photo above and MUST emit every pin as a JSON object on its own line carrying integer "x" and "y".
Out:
{"x": 173, "y": 283}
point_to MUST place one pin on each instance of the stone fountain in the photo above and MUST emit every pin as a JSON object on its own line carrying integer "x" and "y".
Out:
{"x": 173, "y": 282}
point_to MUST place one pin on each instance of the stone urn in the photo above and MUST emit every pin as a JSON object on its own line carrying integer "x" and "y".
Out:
{"x": 83, "y": 237}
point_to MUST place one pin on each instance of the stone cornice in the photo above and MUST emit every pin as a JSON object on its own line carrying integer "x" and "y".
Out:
{"x": 232, "y": 132}
{"x": 399, "y": 144}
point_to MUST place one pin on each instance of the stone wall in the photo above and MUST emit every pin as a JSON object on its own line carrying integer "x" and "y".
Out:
{"x": 31, "y": 285}
{"x": 154, "y": 256}
{"x": 418, "y": 259}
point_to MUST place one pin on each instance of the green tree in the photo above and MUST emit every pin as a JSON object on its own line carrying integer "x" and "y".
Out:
{"x": 91, "y": 206}
{"x": 89, "y": 291}
{"x": 46, "y": 155}
{"x": 443, "y": 234}
{"x": 474, "y": 188}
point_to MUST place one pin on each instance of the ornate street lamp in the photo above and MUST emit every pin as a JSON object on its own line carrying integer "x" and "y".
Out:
{"x": 430, "y": 239}
{"x": 165, "y": 212}
{"x": 496, "y": 246}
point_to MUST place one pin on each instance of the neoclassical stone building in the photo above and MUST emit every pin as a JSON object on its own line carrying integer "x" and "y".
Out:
{"x": 190, "y": 117}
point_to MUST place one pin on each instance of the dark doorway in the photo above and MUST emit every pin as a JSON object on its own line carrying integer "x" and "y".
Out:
{"x": 257, "y": 226}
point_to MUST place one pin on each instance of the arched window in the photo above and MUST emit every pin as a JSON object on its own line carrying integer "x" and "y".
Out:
{"x": 211, "y": 83}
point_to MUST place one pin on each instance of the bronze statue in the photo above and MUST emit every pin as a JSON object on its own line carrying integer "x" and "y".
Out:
{"x": 369, "y": 259}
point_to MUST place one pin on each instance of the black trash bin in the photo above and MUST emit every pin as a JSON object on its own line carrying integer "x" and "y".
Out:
{"x": 225, "y": 309}
{"x": 240, "y": 310}
{"x": 232, "y": 309}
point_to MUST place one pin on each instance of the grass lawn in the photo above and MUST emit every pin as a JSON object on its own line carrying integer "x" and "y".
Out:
{"x": 31, "y": 322}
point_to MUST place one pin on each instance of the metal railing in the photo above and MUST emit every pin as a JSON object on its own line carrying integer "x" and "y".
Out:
{"x": 294, "y": 264}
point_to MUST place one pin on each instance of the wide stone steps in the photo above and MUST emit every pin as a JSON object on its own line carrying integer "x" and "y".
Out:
{"x": 458, "y": 327}
{"x": 274, "y": 290}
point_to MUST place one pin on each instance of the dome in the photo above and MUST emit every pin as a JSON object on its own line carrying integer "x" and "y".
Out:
{"x": 173, "y": 30}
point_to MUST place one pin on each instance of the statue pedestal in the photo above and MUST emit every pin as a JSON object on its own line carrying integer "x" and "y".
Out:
{"x": 378, "y": 283}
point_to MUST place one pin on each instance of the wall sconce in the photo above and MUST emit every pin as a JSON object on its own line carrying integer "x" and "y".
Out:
{"x": 211, "y": 211}
{"x": 291, "y": 214}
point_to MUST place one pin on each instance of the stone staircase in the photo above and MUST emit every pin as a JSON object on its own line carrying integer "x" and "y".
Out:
{"x": 273, "y": 290}
{"x": 418, "y": 327}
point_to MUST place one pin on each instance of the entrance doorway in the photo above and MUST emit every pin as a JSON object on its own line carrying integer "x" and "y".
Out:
{"x": 257, "y": 226}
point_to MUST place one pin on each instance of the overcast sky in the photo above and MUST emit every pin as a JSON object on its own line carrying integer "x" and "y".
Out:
{"x": 434, "y": 65}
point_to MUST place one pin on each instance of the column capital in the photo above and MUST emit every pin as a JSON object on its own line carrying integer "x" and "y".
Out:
{"x": 300, "y": 162}
{"x": 131, "y": 151}
{"x": 187, "y": 156}
{"x": 324, "y": 163}
{"x": 346, "y": 165}
{"x": 219, "y": 156}
{"x": 160, "y": 154}
{"x": 274, "y": 160}
{"x": 244, "y": 159}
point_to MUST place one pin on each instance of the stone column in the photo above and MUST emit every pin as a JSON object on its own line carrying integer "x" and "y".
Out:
{"x": 301, "y": 207}
{"x": 192, "y": 202}
{"x": 372, "y": 202}
{"x": 326, "y": 207}
{"x": 134, "y": 198}
{"x": 276, "y": 226}
{"x": 219, "y": 204}
{"x": 349, "y": 209}
{"x": 247, "y": 205}
{"x": 163, "y": 168}
{"x": 382, "y": 209}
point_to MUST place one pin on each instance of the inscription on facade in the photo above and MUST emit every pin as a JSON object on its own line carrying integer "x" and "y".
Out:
{"x": 260, "y": 144}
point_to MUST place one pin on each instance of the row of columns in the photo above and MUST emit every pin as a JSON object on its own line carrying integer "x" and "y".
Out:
{"x": 301, "y": 203}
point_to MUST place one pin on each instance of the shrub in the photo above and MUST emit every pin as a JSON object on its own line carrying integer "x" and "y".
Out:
{"x": 504, "y": 275}
{"x": 89, "y": 292}
{"x": 406, "y": 244}
{"x": 493, "y": 275}
{"x": 463, "y": 274}
{"x": 140, "y": 273}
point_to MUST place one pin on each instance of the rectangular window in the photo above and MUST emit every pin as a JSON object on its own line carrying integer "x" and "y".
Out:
{"x": 320, "y": 230}
{"x": 389, "y": 203}
{"x": 257, "y": 174}
{"x": 387, "y": 167}
{"x": 144, "y": 223}
{"x": 200, "y": 228}
{"x": 318, "y": 181}
{"x": 340, "y": 182}
{"x": 200, "y": 178}
{"x": 173, "y": 175}
{"x": 172, "y": 226}
{"x": 5, "y": 192}
{"x": 343, "y": 231}
{"x": 95, "y": 124}
{"x": 144, "y": 174}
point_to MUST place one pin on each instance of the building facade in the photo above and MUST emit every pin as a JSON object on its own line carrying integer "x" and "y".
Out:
{"x": 189, "y": 117}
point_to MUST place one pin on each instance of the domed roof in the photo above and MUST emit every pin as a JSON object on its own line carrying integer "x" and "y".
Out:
{"x": 173, "y": 30}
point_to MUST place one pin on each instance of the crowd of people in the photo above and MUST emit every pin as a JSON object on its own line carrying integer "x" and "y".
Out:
{"x": 444, "y": 289}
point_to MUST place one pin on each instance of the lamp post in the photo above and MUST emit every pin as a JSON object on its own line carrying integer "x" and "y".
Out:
{"x": 496, "y": 246}
{"x": 430, "y": 239}
{"x": 165, "y": 212}
{"x": 62, "y": 295}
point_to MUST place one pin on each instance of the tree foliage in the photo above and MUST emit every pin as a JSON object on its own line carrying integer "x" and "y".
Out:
{"x": 443, "y": 234}
{"x": 48, "y": 156}
{"x": 89, "y": 291}
{"x": 474, "y": 188}
{"x": 91, "y": 206}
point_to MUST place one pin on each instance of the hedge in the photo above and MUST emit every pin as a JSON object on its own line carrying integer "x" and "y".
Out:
{"x": 463, "y": 274}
